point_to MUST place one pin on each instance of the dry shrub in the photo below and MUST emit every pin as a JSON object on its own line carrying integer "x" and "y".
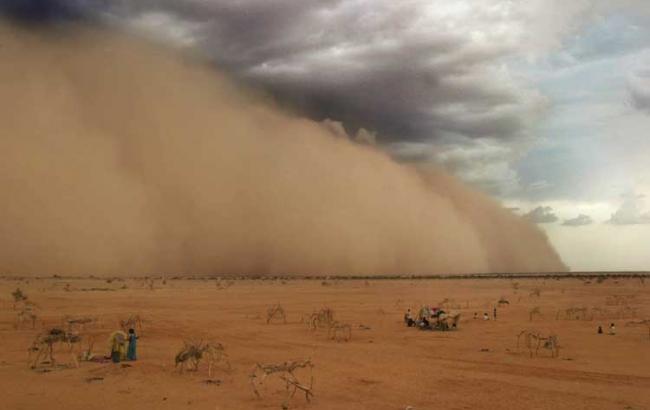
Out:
{"x": 131, "y": 322}
{"x": 287, "y": 373}
{"x": 26, "y": 315}
{"x": 72, "y": 323}
{"x": 43, "y": 346}
{"x": 341, "y": 332}
{"x": 321, "y": 319}
{"x": 193, "y": 352}
{"x": 276, "y": 312}
{"x": 533, "y": 340}
{"x": 574, "y": 313}
{"x": 534, "y": 312}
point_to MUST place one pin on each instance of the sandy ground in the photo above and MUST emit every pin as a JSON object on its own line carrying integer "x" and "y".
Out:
{"x": 387, "y": 366}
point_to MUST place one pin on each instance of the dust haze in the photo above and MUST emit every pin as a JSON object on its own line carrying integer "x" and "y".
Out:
{"x": 120, "y": 157}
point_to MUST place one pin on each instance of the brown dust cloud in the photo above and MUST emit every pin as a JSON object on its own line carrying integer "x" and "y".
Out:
{"x": 120, "y": 157}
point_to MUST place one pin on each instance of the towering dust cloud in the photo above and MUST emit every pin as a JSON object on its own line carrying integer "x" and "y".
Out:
{"x": 122, "y": 158}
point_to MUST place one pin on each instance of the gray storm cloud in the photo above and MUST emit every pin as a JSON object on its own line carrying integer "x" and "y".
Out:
{"x": 639, "y": 89}
{"x": 421, "y": 77}
{"x": 630, "y": 212}
{"x": 541, "y": 215}
{"x": 120, "y": 157}
{"x": 580, "y": 220}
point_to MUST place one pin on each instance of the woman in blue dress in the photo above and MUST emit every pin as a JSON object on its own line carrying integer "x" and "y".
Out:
{"x": 130, "y": 353}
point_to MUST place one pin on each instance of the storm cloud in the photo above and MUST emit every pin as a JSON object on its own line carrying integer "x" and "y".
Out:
{"x": 580, "y": 220}
{"x": 428, "y": 81}
{"x": 541, "y": 215}
{"x": 405, "y": 72}
{"x": 639, "y": 88}
{"x": 631, "y": 212}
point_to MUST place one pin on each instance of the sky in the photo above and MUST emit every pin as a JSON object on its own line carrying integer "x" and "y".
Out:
{"x": 542, "y": 104}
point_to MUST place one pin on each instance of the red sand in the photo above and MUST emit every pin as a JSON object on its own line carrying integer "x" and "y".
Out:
{"x": 387, "y": 367}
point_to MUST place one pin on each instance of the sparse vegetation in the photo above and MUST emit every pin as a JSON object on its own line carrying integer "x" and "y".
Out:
{"x": 26, "y": 315}
{"x": 534, "y": 339}
{"x": 287, "y": 373}
{"x": 43, "y": 346}
{"x": 574, "y": 313}
{"x": 193, "y": 352}
{"x": 72, "y": 323}
{"x": 341, "y": 332}
{"x": 18, "y": 296}
{"x": 132, "y": 322}
{"x": 276, "y": 312}
{"x": 535, "y": 312}
{"x": 321, "y": 319}
{"x": 535, "y": 292}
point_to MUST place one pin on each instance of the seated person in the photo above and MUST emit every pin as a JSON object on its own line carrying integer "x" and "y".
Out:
{"x": 408, "y": 319}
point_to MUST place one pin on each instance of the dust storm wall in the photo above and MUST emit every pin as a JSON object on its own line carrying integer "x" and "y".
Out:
{"x": 120, "y": 157}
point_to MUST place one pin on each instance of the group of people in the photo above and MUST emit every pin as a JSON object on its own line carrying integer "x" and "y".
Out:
{"x": 486, "y": 316}
{"x": 428, "y": 319}
{"x": 123, "y": 346}
{"x": 612, "y": 329}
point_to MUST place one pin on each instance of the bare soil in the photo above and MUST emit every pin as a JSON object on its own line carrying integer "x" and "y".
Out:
{"x": 385, "y": 365}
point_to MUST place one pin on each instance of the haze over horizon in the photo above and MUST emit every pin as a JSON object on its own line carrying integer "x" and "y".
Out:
{"x": 543, "y": 105}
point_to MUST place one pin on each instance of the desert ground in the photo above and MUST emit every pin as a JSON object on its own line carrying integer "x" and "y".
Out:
{"x": 385, "y": 365}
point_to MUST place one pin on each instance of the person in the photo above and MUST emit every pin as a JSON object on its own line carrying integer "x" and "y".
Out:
{"x": 475, "y": 315}
{"x": 495, "y": 313}
{"x": 424, "y": 323}
{"x": 600, "y": 330}
{"x": 408, "y": 318}
{"x": 612, "y": 329}
{"x": 117, "y": 342}
{"x": 485, "y": 316}
{"x": 131, "y": 351}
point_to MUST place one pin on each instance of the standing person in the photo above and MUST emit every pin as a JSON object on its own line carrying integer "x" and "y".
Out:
{"x": 495, "y": 313}
{"x": 485, "y": 316}
{"x": 600, "y": 330}
{"x": 117, "y": 342}
{"x": 130, "y": 353}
